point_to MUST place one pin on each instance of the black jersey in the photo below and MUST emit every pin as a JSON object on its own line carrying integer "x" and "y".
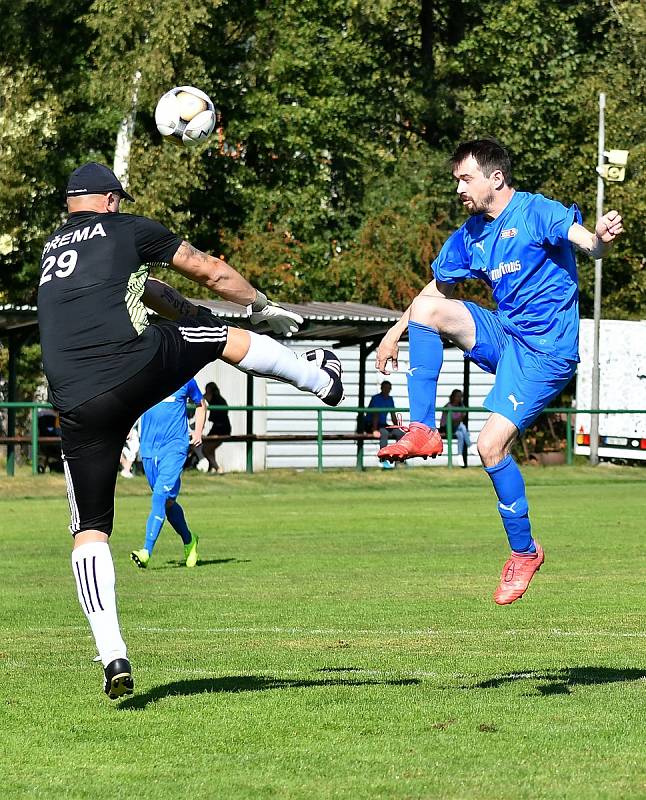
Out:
{"x": 93, "y": 326}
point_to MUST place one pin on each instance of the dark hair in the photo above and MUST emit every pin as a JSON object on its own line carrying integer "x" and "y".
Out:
{"x": 212, "y": 388}
{"x": 453, "y": 394}
{"x": 386, "y": 383}
{"x": 489, "y": 154}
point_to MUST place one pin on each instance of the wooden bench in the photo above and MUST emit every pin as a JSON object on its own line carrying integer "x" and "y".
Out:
{"x": 248, "y": 438}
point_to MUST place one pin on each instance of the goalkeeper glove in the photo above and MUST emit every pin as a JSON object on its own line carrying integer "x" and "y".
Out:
{"x": 280, "y": 320}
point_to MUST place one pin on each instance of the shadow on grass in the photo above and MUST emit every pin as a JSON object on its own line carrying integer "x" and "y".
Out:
{"x": 243, "y": 683}
{"x": 561, "y": 681}
{"x": 204, "y": 562}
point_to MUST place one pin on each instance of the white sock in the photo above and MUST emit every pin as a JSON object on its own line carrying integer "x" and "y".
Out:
{"x": 94, "y": 574}
{"x": 268, "y": 358}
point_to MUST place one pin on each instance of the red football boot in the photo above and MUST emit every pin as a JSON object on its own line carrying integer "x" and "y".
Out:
{"x": 419, "y": 440}
{"x": 516, "y": 575}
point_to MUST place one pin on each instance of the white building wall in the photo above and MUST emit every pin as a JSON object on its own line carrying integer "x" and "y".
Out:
{"x": 303, "y": 455}
{"x": 343, "y": 454}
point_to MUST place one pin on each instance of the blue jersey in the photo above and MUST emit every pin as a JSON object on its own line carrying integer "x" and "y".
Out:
{"x": 379, "y": 401}
{"x": 164, "y": 427}
{"x": 525, "y": 256}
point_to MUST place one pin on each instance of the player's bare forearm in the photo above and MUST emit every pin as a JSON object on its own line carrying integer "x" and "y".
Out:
{"x": 597, "y": 244}
{"x": 213, "y": 273}
{"x": 200, "y": 420}
{"x": 167, "y": 301}
{"x": 395, "y": 333}
{"x": 388, "y": 350}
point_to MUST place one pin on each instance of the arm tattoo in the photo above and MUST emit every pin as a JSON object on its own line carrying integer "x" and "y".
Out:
{"x": 193, "y": 252}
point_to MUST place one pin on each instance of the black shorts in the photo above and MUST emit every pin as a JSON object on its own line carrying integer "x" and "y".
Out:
{"x": 93, "y": 433}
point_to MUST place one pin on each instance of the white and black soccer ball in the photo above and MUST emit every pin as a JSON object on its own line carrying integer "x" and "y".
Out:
{"x": 185, "y": 115}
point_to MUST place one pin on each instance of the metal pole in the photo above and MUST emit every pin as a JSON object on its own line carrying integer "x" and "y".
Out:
{"x": 14, "y": 350}
{"x": 361, "y": 418}
{"x": 449, "y": 436}
{"x": 598, "y": 265}
{"x": 249, "y": 425}
{"x": 319, "y": 439}
{"x": 34, "y": 440}
{"x": 466, "y": 388}
{"x": 568, "y": 438}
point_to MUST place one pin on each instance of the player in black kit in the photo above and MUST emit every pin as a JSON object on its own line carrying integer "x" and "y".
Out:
{"x": 106, "y": 363}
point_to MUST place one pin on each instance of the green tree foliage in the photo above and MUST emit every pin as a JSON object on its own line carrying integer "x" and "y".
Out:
{"x": 622, "y": 74}
{"x": 531, "y": 74}
{"x": 329, "y": 179}
{"x": 43, "y": 108}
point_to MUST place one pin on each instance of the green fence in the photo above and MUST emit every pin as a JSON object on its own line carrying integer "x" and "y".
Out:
{"x": 33, "y": 439}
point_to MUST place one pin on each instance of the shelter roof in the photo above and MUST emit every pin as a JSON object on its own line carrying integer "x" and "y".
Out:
{"x": 13, "y": 318}
{"x": 345, "y": 323}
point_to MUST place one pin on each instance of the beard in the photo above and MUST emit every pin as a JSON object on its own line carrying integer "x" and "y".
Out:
{"x": 483, "y": 205}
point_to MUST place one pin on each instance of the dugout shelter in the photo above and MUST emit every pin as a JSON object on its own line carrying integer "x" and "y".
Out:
{"x": 354, "y": 326}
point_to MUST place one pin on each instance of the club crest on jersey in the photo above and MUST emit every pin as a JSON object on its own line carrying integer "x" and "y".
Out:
{"x": 509, "y": 233}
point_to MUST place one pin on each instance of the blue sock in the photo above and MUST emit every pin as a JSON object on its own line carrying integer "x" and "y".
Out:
{"x": 176, "y": 518}
{"x": 155, "y": 520}
{"x": 426, "y": 356}
{"x": 510, "y": 488}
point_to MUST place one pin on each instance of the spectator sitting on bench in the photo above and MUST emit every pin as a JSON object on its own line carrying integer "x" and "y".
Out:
{"x": 377, "y": 423}
{"x": 49, "y": 454}
{"x": 459, "y": 427}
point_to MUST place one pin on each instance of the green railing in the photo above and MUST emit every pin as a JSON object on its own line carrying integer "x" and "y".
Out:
{"x": 33, "y": 439}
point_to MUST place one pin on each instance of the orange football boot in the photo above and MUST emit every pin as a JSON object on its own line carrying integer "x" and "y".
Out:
{"x": 516, "y": 575}
{"x": 419, "y": 440}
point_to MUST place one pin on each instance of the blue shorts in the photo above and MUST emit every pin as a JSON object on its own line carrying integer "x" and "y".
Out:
{"x": 164, "y": 472}
{"x": 526, "y": 380}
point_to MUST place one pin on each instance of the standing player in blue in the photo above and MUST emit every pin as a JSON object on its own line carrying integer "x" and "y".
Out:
{"x": 164, "y": 445}
{"x": 521, "y": 245}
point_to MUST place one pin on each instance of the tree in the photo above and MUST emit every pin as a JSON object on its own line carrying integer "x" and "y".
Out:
{"x": 328, "y": 178}
{"x": 42, "y": 119}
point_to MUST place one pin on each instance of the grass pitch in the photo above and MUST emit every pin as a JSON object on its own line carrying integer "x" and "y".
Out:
{"x": 338, "y": 640}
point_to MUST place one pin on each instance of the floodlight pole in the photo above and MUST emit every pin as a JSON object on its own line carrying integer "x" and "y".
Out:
{"x": 598, "y": 274}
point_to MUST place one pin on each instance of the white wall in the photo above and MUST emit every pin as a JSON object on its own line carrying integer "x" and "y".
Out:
{"x": 622, "y": 385}
{"x": 298, "y": 455}
{"x": 231, "y": 456}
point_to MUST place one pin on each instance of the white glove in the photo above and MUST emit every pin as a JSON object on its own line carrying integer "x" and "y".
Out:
{"x": 280, "y": 320}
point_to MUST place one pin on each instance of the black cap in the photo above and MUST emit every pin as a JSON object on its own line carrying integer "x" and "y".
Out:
{"x": 93, "y": 178}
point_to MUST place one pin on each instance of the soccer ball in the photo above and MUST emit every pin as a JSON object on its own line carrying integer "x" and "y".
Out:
{"x": 186, "y": 115}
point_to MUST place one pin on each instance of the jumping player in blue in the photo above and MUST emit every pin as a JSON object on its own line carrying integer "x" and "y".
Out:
{"x": 164, "y": 446}
{"x": 521, "y": 245}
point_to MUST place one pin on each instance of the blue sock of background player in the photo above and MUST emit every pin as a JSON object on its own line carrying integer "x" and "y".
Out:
{"x": 426, "y": 356}
{"x": 155, "y": 520}
{"x": 175, "y": 515}
{"x": 512, "y": 504}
